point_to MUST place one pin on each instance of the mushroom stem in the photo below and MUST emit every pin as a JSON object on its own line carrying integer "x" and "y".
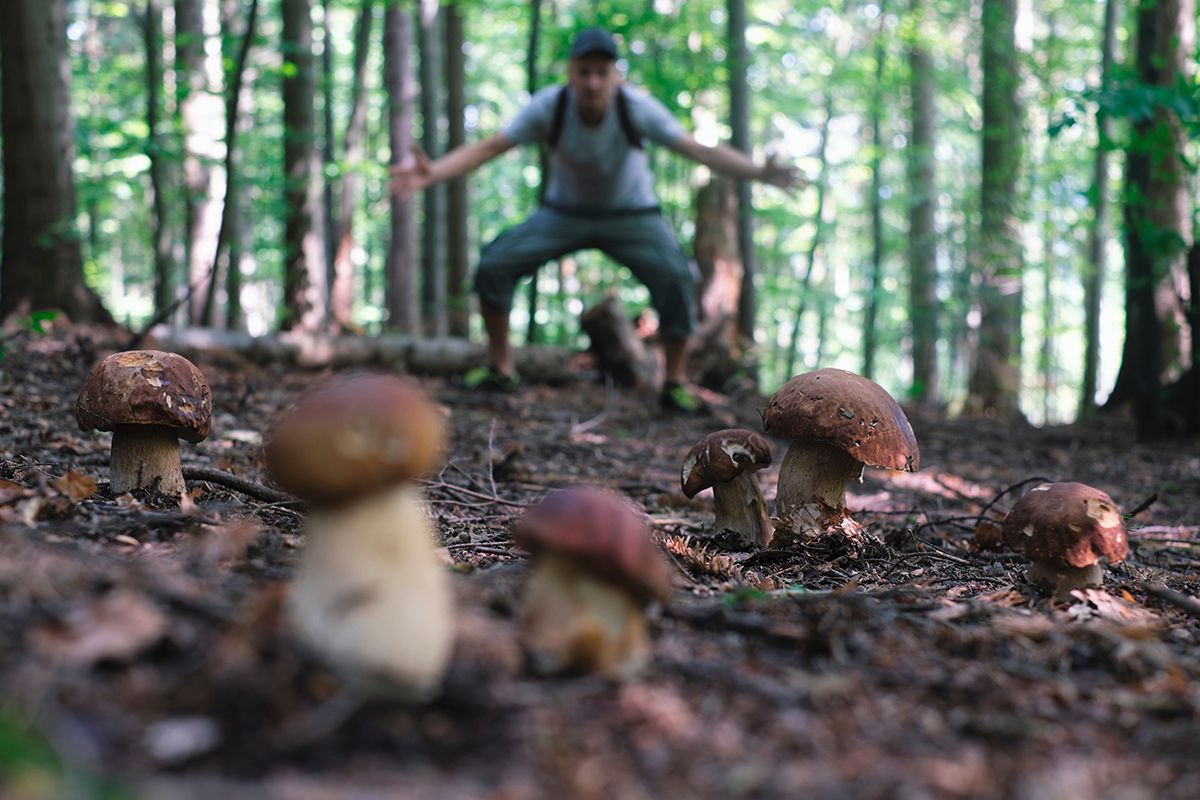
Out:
{"x": 1051, "y": 578}
{"x": 142, "y": 454}
{"x": 813, "y": 472}
{"x": 741, "y": 508}
{"x": 371, "y": 594}
{"x": 574, "y": 622}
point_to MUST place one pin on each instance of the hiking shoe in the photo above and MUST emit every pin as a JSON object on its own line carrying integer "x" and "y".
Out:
{"x": 490, "y": 379}
{"x": 678, "y": 398}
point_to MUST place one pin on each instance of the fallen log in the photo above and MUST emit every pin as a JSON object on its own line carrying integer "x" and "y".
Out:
{"x": 617, "y": 348}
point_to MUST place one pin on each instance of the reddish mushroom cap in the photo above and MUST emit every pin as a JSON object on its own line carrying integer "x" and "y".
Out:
{"x": 1070, "y": 524}
{"x": 600, "y": 531}
{"x": 846, "y": 411}
{"x": 146, "y": 387}
{"x": 722, "y": 456}
{"x": 353, "y": 437}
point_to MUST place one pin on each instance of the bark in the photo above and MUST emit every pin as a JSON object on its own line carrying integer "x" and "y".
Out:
{"x": 456, "y": 203}
{"x": 401, "y": 268}
{"x": 871, "y": 316}
{"x": 152, "y": 30}
{"x": 615, "y": 345}
{"x": 433, "y": 226}
{"x": 41, "y": 266}
{"x": 715, "y": 349}
{"x": 1093, "y": 281}
{"x": 328, "y": 155}
{"x": 995, "y": 383}
{"x": 739, "y": 124}
{"x": 304, "y": 273}
{"x": 531, "y": 84}
{"x": 199, "y": 120}
{"x": 922, "y": 248}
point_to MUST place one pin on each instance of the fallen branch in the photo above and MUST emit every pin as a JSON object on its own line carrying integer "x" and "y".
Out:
{"x": 243, "y": 485}
{"x": 1184, "y": 602}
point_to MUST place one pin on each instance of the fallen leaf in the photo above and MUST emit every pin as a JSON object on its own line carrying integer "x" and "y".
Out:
{"x": 117, "y": 627}
{"x": 76, "y": 485}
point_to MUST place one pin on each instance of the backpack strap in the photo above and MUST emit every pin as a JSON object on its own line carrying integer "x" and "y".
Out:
{"x": 623, "y": 116}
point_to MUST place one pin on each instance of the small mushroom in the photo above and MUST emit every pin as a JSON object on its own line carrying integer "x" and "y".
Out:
{"x": 595, "y": 570}
{"x": 370, "y": 593}
{"x": 839, "y": 423}
{"x": 1066, "y": 529}
{"x": 149, "y": 400}
{"x": 726, "y": 461}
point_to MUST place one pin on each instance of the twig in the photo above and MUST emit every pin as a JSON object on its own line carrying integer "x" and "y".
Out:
{"x": 609, "y": 394}
{"x": 1014, "y": 487}
{"x": 243, "y": 485}
{"x": 1180, "y": 600}
{"x": 471, "y": 493}
{"x": 1142, "y": 506}
{"x": 491, "y": 465}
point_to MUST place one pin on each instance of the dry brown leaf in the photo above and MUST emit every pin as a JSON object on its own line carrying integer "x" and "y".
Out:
{"x": 76, "y": 485}
{"x": 116, "y": 627}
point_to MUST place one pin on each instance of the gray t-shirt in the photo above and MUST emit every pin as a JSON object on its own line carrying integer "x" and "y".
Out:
{"x": 596, "y": 168}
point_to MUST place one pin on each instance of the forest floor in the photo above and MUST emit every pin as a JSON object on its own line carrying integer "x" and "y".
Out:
{"x": 143, "y": 654}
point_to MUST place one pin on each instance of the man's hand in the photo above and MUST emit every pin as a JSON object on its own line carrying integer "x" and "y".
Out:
{"x": 785, "y": 176}
{"x": 411, "y": 175}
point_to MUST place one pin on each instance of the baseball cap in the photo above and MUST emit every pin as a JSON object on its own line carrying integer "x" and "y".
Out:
{"x": 593, "y": 41}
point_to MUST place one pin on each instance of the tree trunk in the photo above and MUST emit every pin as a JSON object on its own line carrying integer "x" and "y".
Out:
{"x": 615, "y": 345}
{"x": 715, "y": 348}
{"x": 433, "y": 226}
{"x": 739, "y": 126}
{"x": 922, "y": 247}
{"x": 328, "y": 156}
{"x": 341, "y": 301}
{"x": 304, "y": 250}
{"x": 531, "y": 83}
{"x": 456, "y": 207}
{"x": 152, "y": 31}
{"x": 995, "y": 383}
{"x": 871, "y": 316}
{"x": 200, "y": 121}
{"x": 1157, "y": 223}
{"x": 41, "y": 266}
{"x": 1093, "y": 280}
{"x": 402, "y": 304}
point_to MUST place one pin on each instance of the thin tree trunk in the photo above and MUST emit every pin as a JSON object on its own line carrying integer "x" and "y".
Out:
{"x": 870, "y": 339}
{"x": 1093, "y": 281}
{"x": 402, "y": 301}
{"x": 229, "y": 212}
{"x": 922, "y": 248}
{"x": 433, "y": 227}
{"x": 159, "y": 225}
{"x": 995, "y": 383}
{"x": 739, "y": 125}
{"x": 328, "y": 157}
{"x": 456, "y": 209}
{"x": 41, "y": 266}
{"x": 304, "y": 249}
{"x": 531, "y": 82}
{"x": 342, "y": 300}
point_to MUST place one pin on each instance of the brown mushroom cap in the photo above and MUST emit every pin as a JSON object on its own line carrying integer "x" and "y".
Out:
{"x": 722, "y": 456}
{"x": 846, "y": 411}
{"x": 146, "y": 387}
{"x": 355, "y": 436}
{"x": 600, "y": 531}
{"x": 1070, "y": 524}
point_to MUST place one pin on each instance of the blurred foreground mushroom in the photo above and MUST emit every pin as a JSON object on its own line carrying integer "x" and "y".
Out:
{"x": 1066, "y": 529}
{"x": 726, "y": 461}
{"x": 149, "y": 400}
{"x": 370, "y": 593}
{"x": 839, "y": 423}
{"x": 596, "y": 568}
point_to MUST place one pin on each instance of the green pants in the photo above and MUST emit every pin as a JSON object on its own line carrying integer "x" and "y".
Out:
{"x": 641, "y": 241}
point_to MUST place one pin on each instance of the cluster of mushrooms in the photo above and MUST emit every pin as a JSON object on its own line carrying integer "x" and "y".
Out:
{"x": 371, "y": 594}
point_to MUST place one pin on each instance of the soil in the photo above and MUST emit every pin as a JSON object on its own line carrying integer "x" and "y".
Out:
{"x": 146, "y": 654}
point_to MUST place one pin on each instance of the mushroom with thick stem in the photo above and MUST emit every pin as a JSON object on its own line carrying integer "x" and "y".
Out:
{"x": 726, "y": 461}
{"x": 595, "y": 569}
{"x": 1066, "y": 530}
{"x": 370, "y": 594}
{"x": 839, "y": 423}
{"x": 149, "y": 400}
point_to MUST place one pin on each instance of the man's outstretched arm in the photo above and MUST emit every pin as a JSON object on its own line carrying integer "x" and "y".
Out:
{"x": 411, "y": 177}
{"x": 736, "y": 164}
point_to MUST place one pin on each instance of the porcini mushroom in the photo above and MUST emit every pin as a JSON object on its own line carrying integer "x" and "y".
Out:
{"x": 595, "y": 570}
{"x": 1066, "y": 530}
{"x": 370, "y": 593}
{"x": 149, "y": 400}
{"x": 726, "y": 461}
{"x": 839, "y": 423}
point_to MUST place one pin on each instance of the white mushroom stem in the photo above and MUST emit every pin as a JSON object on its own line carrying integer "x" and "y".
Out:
{"x": 574, "y": 622}
{"x": 1051, "y": 578}
{"x": 371, "y": 594}
{"x": 814, "y": 473}
{"x": 742, "y": 509}
{"x": 142, "y": 454}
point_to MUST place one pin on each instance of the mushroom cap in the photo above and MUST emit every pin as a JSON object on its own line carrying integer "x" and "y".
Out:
{"x": 146, "y": 387}
{"x": 1069, "y": 524}
{"x": 602, "y": 532}
{"x": 846, "y": 411}
{"x": 354, "y": 436}
{"x": 722, "y": 456}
